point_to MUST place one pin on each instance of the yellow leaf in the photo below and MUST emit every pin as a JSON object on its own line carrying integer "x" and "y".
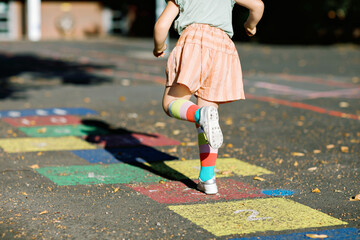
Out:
{"x": 229, "y": 145}
{"x": 43, "y": 212}
{"x": 330, "y": 146}
{"x": 229, "y": 121}
{"x": 344, "y": 149}
{"x": 316, "y": 151}
{"x": 296, "y": 164}
{"x": 42, "y": 130}
{"x": 35, "y": 166}
{"x": 316, "y": 190}
{"x": 259, "y": 179}
{"x": 297, "y": 154}
{"x": 317, "y": 236}
{"x": 116, "y": 189}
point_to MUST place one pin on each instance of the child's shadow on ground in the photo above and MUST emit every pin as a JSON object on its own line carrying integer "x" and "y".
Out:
{"x": 127, "y": 147}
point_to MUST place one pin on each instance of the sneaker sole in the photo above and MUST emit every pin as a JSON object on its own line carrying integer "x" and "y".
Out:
{"x": 212, "y": 131}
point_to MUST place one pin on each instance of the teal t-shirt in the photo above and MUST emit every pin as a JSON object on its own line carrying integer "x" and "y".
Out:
{"x": 216, "y": 13}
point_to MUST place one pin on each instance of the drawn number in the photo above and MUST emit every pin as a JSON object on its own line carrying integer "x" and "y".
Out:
{"x": 253, "y": 216}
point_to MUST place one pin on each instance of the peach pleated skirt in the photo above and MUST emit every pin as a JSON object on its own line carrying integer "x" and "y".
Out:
{"x": 206, "y": 61}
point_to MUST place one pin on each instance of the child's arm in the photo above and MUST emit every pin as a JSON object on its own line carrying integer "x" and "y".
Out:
{"x": 162, "y": 27}
{"x": 256, "y": 8}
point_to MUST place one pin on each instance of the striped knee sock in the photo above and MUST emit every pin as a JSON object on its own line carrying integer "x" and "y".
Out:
{"x": 185, "y": 110}
{"x": 208, "y": 157}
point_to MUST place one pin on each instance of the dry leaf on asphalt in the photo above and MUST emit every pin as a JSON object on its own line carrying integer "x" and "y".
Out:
{"x": 321, "y": 236}
{"x": 330, "y": 146}
{"x": 35, "y": 166}
{"x": 229, "y": 121}
{"x": 297, "y": 154}
{"x": 312, "y": 169}
{"x": 259, "y": 179}
{"x": 160, "y": 124}
{"x": 344, "y": 149}
{"x": 316, "y": 190}
{"x": 43, "y": 212}
{"x": 316, "y": 151}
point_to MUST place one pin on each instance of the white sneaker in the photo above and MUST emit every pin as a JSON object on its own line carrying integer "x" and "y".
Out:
{"x": 209, "y": 122}
{"x": 208, "y": 187}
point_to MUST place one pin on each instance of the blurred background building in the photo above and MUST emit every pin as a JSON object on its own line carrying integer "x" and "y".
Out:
{"x": 284, "y": 22}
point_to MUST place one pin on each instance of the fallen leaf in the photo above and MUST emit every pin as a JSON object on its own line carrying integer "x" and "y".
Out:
{"x": 86, "y": 100}
{"x": 356, "y": 198}
{"x": 176, "y": 132}
{"x": 162, "y": 181}
{"x": 330, "y": 146}
{"x": 151, "y": 112}
{"x": 344, "y": 104}
{"x": 160, "y": 124}
{"x": 116, "y": 189}
{"x": 297, "y": 154}
{"x": 39, "y": 153}
{"x": 316, "y": 190}
{"x": 229, "y": 145}
{"x": 35, "y": 166}
{"x": 172, "y": 150}
{"x": 317, "y": 236}
{"x": 312, "y": 169}
{"x": 229, "y": 121}
{"x": 344, "y": 149}
{"x": 24, "y": 193}
{"x": 259, "y": 179}
{"x": 226, "y": 155}
{"x": 316, "y": 151}
{"x": 43, "y": 212}
{"x": 122, "y": 99}
{"x": 41, "y": 130}
{"x": 296, "y": 164}
{"x": 228, "y": 172}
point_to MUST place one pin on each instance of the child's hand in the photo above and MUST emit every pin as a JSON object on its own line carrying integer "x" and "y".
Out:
{"x": 161, "y": 52}
{"x": 250, "y": 31}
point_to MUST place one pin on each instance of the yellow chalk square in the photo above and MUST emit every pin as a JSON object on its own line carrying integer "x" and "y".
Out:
{"x": 251, "y": 216}
{"x": 14, "y": 145}
{"x": 224, "y": 167}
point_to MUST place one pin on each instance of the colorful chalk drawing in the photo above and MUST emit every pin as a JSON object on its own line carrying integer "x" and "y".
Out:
{"x": 96, "y": 174}
{"x": 225, "y": 167}
{"x": 46, "y": 112}
{"x": 142, "y": 167}
{"x": 178, "y": 192}
{"x": 253, "y": 216}
{"x": 60, "y": 131}
{"x": 16, "y": 145}
{"x": 42, "y": 121}
{"x": 333, "y": 234}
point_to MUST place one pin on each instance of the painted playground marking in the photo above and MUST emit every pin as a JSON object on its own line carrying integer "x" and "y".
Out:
{"x": 65, "y": 130}
{"x": 333, "y": 234}
{"x": 177, "y": 192}
{"x": 46, "y": 112}
{"x": 125, "y": 155}
{"x": 132, "y": 139}
{"x": 96, "y": 174}
{"x": 252, "y": 216}
{"x": 303, "y": 106}
{"x": 225, "y": 167}
{"x": 15, "y": 145}
{"x": 42, "y": 121}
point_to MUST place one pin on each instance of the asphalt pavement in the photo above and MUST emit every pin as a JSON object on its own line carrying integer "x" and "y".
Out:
{"x": 86, "y": 151}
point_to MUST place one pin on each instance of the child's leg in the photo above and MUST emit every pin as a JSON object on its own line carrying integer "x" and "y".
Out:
{"x": 208, "y": 156}
{"x": 176, "y": 103}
